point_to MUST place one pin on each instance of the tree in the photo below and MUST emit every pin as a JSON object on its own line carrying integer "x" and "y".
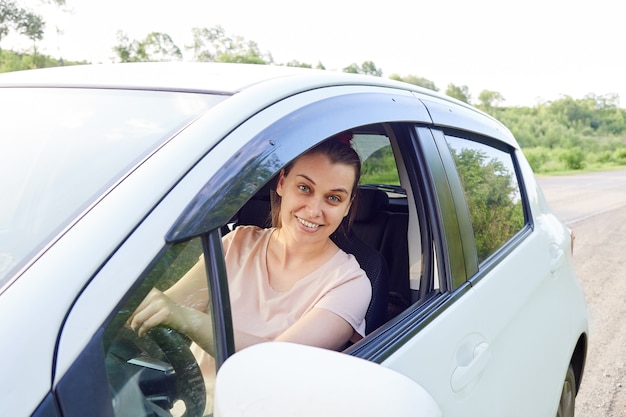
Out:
{"x": 489, "y": 99}
{"x": 60, "y": 6}
{"x": 296, "y": 63}
{"x": 352, "y": 69}
{"x": 8, "y": 11}
{"x": 21, "y": 20}
{"x": 156, "y": 46}
{"x": 415, "y": 80}
{"x": 213, "y": 45}
{"x": 160, "y": 47}
{"x": 126, "y": 50}
{"x": 367, "y": 68}
{"x": 31, "y": 26}
{"x": 459, "y": 92}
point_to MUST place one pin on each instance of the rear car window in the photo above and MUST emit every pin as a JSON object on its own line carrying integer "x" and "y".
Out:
{"x": 492, "y": 193}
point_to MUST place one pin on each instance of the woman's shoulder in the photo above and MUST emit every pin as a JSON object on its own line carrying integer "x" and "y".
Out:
{"x": 347, "y": 259}
{"x": 346, "y": 266}
{"x": 251, "y": 230}
{"x": 248, "y": 232}
{"x": 246, "y": 236}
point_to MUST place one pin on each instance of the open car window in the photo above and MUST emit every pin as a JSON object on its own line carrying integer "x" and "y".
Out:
{"x": 162, "y": 373}
{"x": 378, "y": 162}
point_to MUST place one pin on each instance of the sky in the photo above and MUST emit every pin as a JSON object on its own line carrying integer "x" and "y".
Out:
{"x": 529, "y": 51}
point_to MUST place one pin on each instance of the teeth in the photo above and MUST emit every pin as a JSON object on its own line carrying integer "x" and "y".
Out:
{"x": 308, "y": 224}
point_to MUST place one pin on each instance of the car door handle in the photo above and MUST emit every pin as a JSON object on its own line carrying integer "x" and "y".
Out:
{"x": 465, "y": 374}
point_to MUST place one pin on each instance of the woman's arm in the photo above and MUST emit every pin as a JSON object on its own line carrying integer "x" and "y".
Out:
{"x": 159, "y": 309}
{"x": 192, "y": 289}
{"x": 319, "y": 327}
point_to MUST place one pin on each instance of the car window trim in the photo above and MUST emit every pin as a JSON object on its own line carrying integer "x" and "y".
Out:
{"x": 425, "y": 202}
{"x": 384, "y": 342}
{"x": 451, "y": 250}
{"x": 220, "y": 298}
{"x": 468, "y": 244}
{"x": 281, "y": 142}
{"x": 83, "y": 390}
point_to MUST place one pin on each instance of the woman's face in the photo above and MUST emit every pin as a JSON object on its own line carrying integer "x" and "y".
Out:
{"x": 315, "y": 196}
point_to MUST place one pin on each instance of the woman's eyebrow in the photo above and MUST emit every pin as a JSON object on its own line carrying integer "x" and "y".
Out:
{"x": 335, "y": 190}
{"x": 306, "y": 177}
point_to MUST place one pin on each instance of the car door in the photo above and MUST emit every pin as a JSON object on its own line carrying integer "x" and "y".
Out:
{"x": 477, "y": 344}
{"x": 434, "y": 341}
{"x": 193, "y": 215}
{"x": 522, "y": 280}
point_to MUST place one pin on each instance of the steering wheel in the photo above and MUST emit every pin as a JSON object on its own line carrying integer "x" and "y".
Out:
{"x": 189, "y": 381}
{"x": 165, "y": 345}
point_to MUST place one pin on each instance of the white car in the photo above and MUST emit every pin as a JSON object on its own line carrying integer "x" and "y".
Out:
{"x": 116, "y": 178}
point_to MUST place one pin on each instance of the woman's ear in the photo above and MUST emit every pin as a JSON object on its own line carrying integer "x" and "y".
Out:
{"x": 280, "y": 183}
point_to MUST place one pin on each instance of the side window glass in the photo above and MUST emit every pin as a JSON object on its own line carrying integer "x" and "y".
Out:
{"x": 492, "y": 192}
{"x": 378, "y": 163}
{"x": 163, "y": 372}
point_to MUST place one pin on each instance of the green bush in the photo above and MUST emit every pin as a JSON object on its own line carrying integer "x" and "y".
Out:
{"x": 537, "y": 157}
{"x": 619, "y": 156}
{"x": 573, "y": 158}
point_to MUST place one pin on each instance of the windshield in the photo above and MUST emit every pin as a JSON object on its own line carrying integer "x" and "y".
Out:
{"x": 61, "y": 148}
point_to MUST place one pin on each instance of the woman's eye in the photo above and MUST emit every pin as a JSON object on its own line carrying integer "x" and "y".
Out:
{"x": 304, "y": 188}
{"x": 334, "y": 199}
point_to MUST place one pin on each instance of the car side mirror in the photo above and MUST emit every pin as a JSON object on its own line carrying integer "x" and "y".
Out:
{"x": 285, "y": 379}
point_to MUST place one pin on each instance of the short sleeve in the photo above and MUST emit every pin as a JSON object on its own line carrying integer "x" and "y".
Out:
{"x": 350, "y": 301}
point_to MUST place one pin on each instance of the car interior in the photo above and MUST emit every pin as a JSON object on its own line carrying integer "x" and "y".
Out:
{"x": 378, "y": 236}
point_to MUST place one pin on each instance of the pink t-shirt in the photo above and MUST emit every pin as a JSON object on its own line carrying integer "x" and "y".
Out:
{"x": 339, "y": 286}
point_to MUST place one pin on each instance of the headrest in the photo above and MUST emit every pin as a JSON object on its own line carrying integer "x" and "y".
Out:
{"x": 370, "y": 202}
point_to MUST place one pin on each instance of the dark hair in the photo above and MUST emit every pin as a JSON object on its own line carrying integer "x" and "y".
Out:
{"x": 338, "y": 149}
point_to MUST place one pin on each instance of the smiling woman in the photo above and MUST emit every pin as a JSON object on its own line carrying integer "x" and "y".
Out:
{"x": 294, "y": 263}
{"x": 287, "y": 283}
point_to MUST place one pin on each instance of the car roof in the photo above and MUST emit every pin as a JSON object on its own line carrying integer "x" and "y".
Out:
{"x": 178, "y": 76}
{"x": 222, "y": 78}
{"x": 208, "y": 77}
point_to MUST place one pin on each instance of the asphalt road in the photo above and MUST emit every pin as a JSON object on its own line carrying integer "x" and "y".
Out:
{"x": 594, "y": 206}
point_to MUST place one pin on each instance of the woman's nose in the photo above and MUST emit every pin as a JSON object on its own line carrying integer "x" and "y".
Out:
{"x": 314, "y": 206}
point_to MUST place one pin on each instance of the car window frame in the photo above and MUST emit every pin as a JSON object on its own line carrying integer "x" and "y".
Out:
{"x": 420, "y": 158}
{"x": 370, "y": 109}
{"x": 434, "y": 177}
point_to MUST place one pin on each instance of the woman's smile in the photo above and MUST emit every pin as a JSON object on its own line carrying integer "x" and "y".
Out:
{"x": 308, "y": 224}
